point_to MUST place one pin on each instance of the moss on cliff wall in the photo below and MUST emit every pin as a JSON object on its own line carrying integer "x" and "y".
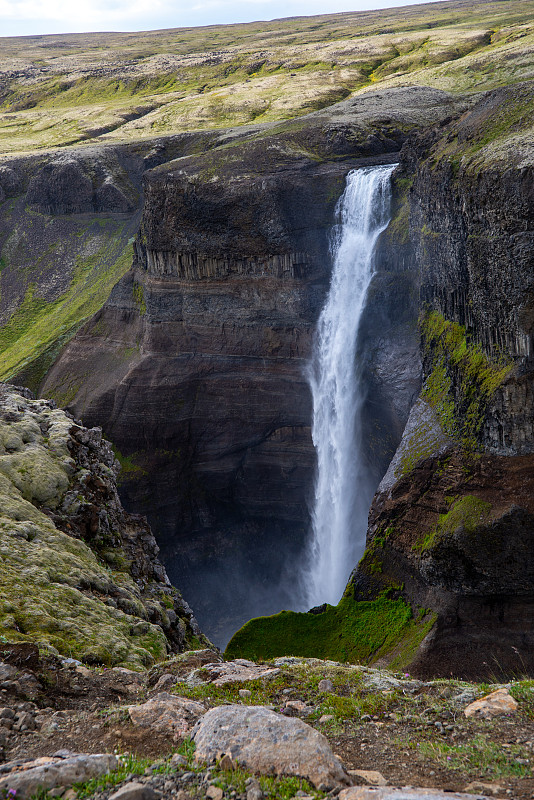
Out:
{"x": 461, "y": 378}
{"x": 69, "y": 555}
{"x": 353, "y": 631}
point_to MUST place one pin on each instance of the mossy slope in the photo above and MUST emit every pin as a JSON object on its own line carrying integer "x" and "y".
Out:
{"x": 218, "y": 76}
{"x": 353, "y": 632}
{"x": 56, "y": 589}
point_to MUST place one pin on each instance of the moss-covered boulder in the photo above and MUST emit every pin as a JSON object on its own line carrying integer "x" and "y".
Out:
{"x": 76, "y": 572}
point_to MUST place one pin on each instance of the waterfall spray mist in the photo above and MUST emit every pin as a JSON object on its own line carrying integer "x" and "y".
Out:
{"x": 343, "y": 490}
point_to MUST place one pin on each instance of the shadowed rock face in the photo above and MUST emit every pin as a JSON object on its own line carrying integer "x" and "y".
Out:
{"x": 452, "y": 525}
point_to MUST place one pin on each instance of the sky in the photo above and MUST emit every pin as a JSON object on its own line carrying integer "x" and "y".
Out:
{"x": 30, "y": 17}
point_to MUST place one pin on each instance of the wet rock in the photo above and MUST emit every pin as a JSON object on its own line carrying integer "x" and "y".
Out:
{"x": 492, "y": 705}
{"x": 268, "y": 743}
{"x": 166, "y": 713}
{"x": 47, "y": 773}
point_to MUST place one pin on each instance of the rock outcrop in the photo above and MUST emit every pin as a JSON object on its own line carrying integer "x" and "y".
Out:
{"x": 78, "y": 573}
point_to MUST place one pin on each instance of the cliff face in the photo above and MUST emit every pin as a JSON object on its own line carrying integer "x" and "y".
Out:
{"x": 451, "y": 527}
{"x": 78, "y": 573}
{"x": 195, "y": 366}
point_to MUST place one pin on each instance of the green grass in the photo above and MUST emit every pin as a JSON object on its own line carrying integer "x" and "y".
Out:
{"x": 478, "y": 755}
{"x": 349, "y": 632}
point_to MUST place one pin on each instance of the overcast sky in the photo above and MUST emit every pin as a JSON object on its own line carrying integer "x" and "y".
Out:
{"x": 26, "y": 17}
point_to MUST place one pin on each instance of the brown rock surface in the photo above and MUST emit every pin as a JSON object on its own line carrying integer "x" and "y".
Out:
{"x": 498, "y": 702}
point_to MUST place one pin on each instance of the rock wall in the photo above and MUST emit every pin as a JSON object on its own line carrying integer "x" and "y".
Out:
{"x": 451, "y": 526}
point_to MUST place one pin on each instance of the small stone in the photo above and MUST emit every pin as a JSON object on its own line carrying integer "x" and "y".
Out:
{"x": 326, "y": 685}
{"x": 370, "y": 776}
{"x": 254, "y": 791}
{"x": 492, "y": 705}
{"x": 484, "y": 788}
{"x": 214, "y": 793}
{"x": 135, "y": 791}
{"x": 226, "y": 762}
{"x": 297, "y": 708}
{"x": 244, "y": 693}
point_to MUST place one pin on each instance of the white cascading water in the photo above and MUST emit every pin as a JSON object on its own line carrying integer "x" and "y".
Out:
{"x": 343, "y": 490}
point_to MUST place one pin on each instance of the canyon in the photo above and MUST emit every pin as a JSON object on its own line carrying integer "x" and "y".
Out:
{"x": 167, "y": 289}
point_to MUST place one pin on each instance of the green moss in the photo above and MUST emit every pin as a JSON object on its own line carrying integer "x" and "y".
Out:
{"x": 37, "y": 325}
{"x": 139, "y": 298}
{"x": 461, "y": 379}
{"x": 351, "y": 631}
{"x": 466, "y": 514}
{"x": 130, "y": 470}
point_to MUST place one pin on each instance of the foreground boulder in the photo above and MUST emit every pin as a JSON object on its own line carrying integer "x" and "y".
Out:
{"x": 266, "y": 743}
{"x": 25, "y": 780}
{"x": 406, "y": 793}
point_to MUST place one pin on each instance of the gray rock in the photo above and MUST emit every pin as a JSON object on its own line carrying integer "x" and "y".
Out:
{"x": 166, "y": 713}
{"x": 135, "y": 791}
{"x": 268, "y": 743}
{"x": 254, "y": 791}
{"x": 326, "y": 685}
{"x": 55, "y": 772}
{"x": 7, "y": 672}
{"x": 407, "y": 793}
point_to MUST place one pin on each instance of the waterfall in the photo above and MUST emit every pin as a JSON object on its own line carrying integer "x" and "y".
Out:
{"x": 343, "y": 491}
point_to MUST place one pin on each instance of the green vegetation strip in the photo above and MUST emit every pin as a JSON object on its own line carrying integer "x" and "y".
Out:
{"x": 37, "y": 323}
